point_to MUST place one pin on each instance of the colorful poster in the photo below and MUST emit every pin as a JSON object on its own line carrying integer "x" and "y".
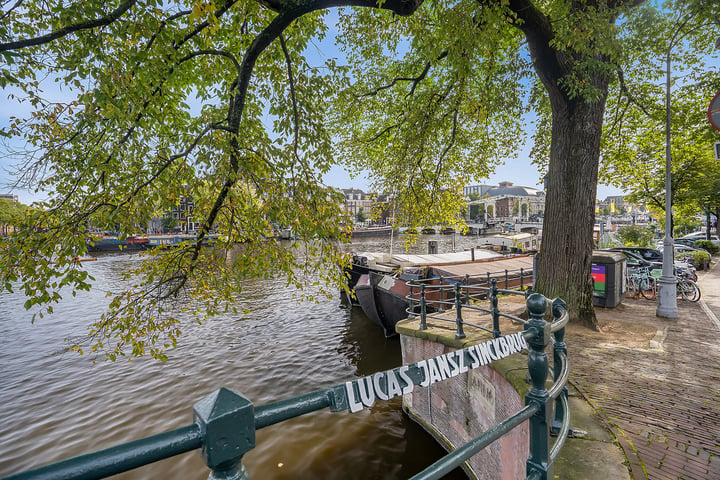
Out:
{"x": 598, "y": 276}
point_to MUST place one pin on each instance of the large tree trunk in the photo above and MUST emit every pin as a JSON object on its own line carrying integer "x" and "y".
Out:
{"x": 577, "y": 97}
{"x": 564, "y": 262}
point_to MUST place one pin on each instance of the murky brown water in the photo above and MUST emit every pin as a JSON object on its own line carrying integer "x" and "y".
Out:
{"x": 56, "y": 407}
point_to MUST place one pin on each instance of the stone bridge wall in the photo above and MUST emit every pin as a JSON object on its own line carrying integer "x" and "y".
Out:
{"x": 461, "y": 408}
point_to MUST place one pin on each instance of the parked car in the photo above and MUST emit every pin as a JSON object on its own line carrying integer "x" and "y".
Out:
{"x": 682, "y": 245}
{"x": 649, "y": 254}
{"x": 697, "y": 236}
{"x": 690, "y": 242}
{"x": 681, "y": 248}
{"x": 633, "y": 260}
{"x": 688, "y": 255}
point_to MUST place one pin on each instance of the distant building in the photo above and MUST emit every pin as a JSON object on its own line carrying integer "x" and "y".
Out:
{"x": 615, "y": 203}
{"x": 9, "y": 196}
{"x": 183, "y": 213}
{"x": 618, "y": 206}
{"x": 356, "y": 200}
{"x": 509, "y": 201}
{"x": 183, "y": 219}
{"x": 480, "y": 190}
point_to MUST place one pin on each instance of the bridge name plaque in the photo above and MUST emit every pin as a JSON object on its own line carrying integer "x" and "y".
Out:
{"x": 363, "y": 392}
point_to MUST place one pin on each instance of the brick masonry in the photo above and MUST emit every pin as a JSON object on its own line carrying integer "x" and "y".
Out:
{"x": 457, "y": 410}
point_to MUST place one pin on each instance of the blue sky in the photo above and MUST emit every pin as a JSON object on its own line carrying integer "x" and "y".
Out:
{"x": 11, "y": 108}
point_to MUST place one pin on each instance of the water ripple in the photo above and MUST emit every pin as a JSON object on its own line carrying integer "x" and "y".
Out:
{"x": 57, "y": 406}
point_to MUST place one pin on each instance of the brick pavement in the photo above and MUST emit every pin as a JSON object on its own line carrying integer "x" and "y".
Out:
{"x": 660, "y": 399}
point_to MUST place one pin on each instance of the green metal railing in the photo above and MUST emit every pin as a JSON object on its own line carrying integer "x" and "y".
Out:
{"x": 430, "y": 298}
{"x": 225, "y": 422}
{"x": 539, "y": 401}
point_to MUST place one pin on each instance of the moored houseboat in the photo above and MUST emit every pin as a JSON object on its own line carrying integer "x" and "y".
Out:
{"x": 108, "y": 243}
{"x": 382, "y": 283}
{"x": 372, "y": 231}
{"x": 512, "y": 242}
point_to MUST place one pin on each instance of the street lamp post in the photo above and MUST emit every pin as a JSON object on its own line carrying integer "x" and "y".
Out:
{"x": 667, "y": 283}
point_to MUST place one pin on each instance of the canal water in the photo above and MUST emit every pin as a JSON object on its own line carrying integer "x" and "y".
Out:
{"x": 54, "y": 406}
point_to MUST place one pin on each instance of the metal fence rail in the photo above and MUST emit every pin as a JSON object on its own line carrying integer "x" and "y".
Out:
{"x": 538, "y": 401}
{"x": 225, "y": 422}
{"x": 429, "y": 298}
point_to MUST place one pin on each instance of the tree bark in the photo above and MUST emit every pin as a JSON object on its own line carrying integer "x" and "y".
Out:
{"x": 564, "y": 262}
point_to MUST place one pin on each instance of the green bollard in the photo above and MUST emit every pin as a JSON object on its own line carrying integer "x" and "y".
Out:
{"x": 458, "y": 310}
{"x": 227, "y": 425}
{"x": 495, "y": 311}
{"x": 423, "y": 308}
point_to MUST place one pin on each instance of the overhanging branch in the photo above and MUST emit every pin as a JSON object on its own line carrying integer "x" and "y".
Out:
{"x": 414, "y": 80}
{"x": 75, "y": 27}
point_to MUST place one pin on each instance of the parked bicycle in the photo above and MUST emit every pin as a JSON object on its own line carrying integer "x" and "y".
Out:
{"x": 640, "y": 282}
{"x": 687, "y": 288}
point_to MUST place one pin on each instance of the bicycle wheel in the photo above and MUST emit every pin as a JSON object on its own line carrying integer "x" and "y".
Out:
{"x": 689, "y": 290}
{"x": 631, "y": 289}
{"x": 647, "y": 287}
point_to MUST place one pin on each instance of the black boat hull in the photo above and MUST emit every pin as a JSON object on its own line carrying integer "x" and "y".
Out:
{"x": 383, "y": 299}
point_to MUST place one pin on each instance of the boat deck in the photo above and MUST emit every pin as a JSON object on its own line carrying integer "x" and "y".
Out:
{"x": 415, "y": 260}
{"x": 484, "y": 267}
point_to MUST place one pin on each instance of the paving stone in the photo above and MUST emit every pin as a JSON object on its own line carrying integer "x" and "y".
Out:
{"x": 662, "y": 406}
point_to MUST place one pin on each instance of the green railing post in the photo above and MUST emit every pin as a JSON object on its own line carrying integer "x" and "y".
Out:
{"x": 227, "y": 425}
{"x": 423, "y": 312}
{"x": 559, "y": 348}
{"x": 494, "y": 308}
{"x": 458, "y": 309}
{"x": 522, "y": 278}
{"x": 411, "y": 301}
{"x": 467, "y": 289}
{"x": 539, "y": 461}
{"x": 507, "y": 283}
{"x": 442, "y": 297}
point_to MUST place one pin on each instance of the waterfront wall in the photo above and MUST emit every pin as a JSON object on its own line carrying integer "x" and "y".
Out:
{"x": 461, "y": 408}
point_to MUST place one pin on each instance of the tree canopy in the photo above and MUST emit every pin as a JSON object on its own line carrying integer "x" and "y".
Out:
{"x": 432, "y": 93}
{"x": 12, "y": 213}
{"x": 635, "y": 133}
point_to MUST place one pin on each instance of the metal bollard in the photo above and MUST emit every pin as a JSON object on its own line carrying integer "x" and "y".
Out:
{"x": 411, "y": 301}
{"x": 423, "y": 312}
{"x": 467, "y": 289}
{"x": 458, "y": 311}
{"x": 441, "y": 309}
{"x": 227, "y": 425}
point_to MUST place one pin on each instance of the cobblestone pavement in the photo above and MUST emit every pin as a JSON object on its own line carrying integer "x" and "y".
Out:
{"x": 660, "y": 398}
